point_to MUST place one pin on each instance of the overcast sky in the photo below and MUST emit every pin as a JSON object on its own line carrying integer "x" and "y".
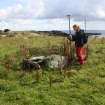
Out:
{"x": 51, "y": 14}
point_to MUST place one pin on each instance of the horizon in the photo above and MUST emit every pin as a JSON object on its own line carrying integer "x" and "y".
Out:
{"x": 67, "y": 31}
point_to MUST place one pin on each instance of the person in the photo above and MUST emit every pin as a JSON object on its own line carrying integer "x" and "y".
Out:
{"x": 80, "y": 39}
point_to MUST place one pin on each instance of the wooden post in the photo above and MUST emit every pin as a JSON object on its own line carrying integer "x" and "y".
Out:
{"x": 50, "y": 80}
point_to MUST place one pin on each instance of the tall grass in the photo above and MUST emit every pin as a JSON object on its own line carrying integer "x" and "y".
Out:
{"x": 80, "y": 86}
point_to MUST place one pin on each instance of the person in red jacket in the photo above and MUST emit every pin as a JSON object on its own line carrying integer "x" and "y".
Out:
{"x": 80, "y": 41}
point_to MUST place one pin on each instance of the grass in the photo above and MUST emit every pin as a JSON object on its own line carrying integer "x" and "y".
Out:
{"x": 81, "y": 86}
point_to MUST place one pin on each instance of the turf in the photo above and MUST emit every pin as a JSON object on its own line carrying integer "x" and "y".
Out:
{"x": 82, "y": 85}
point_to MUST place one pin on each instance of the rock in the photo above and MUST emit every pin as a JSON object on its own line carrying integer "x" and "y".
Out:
{"x": 38, "y": 59}
{"x": 34, "y": 63}
{"x": 28, "y": 65}
{"x": 57, "y": 61}
{"x": 52, "y": 61}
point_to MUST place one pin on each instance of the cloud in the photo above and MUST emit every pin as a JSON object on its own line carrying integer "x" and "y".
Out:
{"x": 92, "y": 9}
{"x": 50, "y": 14}
{"x": 49, "y": 9}
{"x": 100, "y": 12}
{"x": 36, "y": 8}
{"x": 11, "y": 11}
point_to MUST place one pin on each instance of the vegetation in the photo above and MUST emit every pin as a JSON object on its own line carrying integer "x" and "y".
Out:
{"x": 82, "y": 85}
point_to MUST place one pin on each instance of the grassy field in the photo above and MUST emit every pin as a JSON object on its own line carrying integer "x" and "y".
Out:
{"x": 82, "y": 85}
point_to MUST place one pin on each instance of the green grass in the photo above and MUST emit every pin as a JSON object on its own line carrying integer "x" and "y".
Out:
{"x": 81, "y": 86}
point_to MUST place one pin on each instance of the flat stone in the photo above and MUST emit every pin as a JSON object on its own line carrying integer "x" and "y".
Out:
{"x": 57, "y": 61}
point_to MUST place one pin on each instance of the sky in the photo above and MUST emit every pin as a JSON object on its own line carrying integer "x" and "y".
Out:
{"x": 51, "y": 14}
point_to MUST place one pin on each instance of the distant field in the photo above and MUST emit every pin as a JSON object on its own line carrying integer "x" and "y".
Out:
{"x": 12, "y": 44}
{"x": 81, "y": 86}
